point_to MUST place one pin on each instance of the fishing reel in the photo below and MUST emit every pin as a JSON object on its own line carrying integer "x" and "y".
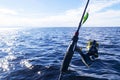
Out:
{"x": 92, "y": 48}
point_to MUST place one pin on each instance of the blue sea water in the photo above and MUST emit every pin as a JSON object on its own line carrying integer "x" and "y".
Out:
{"x": 37, "y": 53}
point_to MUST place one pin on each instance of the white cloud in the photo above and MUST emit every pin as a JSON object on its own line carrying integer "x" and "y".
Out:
{"x": 7, "y": 11}
{"x": 68, "y": 18}
{"x": 107, "y": 18}
{"x": 97, "y": 5}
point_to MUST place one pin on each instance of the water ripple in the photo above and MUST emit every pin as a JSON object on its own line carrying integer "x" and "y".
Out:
{"x": 37, "y": 54}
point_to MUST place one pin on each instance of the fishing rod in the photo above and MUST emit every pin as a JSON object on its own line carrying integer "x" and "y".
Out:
{"x": 80, "y": 24}
{"x": 72, "y": 46}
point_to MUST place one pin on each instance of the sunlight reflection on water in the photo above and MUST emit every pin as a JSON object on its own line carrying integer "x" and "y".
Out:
{"x": 7, "y": 39}
{"x": 4, "y": 64}
{"x": 26, "y": 63}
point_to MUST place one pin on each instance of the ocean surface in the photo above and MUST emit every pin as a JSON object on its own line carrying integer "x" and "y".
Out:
{"x": 37, "y": 53}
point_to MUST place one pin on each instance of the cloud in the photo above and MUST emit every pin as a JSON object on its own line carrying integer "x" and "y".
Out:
{"x": 107, "y": 18}
{"x": 100, "y": 17}
{"x": 8, "y": 11}
{"x": 98, "y": 5}
{"x": 97, "y": 17}
{"x": 66, "y": 18}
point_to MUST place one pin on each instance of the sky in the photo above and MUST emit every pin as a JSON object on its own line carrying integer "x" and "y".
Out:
{"x": 58, "y": 13}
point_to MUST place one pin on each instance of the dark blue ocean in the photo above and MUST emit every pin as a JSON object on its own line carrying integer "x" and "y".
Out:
{"x": 37, "y": 53}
